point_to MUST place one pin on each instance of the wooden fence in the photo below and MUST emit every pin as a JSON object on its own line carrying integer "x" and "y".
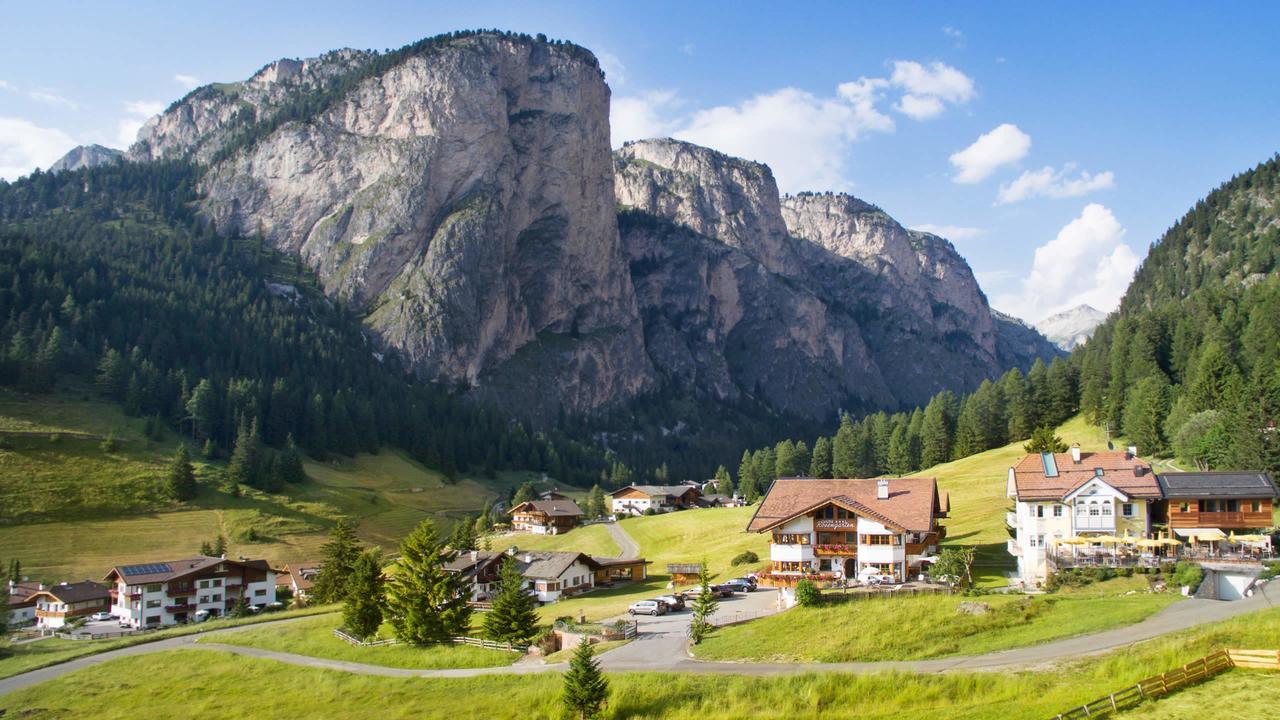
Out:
{"x": 491, "y": 645}
{"x": 343, "y": 635}
{"x": 1196, "y": 671}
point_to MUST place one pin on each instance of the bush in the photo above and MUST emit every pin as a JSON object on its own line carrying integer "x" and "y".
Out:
{"x": 1270, "y": 569}
{"x": 746, "y": 557}
{"x": 807, "y": 594}
{"x": 1188, "y": 575}
{"x": 650, "y": 511}
{"x": 109, "y": 444}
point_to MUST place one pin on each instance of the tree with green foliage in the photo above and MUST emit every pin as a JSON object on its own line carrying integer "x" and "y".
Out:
{"x": 585, "y": 688}
{"x": 899, "y": 451}
{"x": 704, "y": 607}
{"x": 362, "y": 607}
{"x": 785, "y": 464}
{"x": 525, "y": 493}
{"x": 246, "y": 457}
{"x": 935, "y": 433}
{"x": 820, "y": 464}
{"x": 289, "y": 463}
{"x": 1144, "y": 414}
{"x": 337, "y": 561}
{"x": 955, "y": 566}
{"x": 1043, "y": 440}
{"x": 425, "y": 603}
{"x": 844, "y": 451}
{"x": 724, "y": 483}
{"x": 181, "y": 481}
{"x": 463, "y": 538}
{"x": 807, "y": 594}
{"x": 514, "y": 616}
{"x": 596, "y": 506}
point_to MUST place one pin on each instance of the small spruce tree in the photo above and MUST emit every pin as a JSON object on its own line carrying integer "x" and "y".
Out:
{"x": 704, "y": 606}
{"x": 585, "y": 688}
{"x": 514, "y": 616}
{"x": 337, "y": 560}
{"x": 362, "y": 609}
{"x": 425, "y": 603}
{"x": 181, "y": 482}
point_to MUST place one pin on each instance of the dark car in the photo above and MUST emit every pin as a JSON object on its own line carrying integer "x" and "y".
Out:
{"x": 722, "y": 591}
{"x": 739, "y": 585}
{"x": 673, "y": 602}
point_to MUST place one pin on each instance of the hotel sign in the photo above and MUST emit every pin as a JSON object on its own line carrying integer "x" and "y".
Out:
{"x": 837, "y": 524}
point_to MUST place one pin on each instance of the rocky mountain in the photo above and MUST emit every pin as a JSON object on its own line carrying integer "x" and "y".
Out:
{"x": 461, "y": 195}
{"x": 832, "y": 302}
{"x": 1073, "y": 327}
{"x": 83, "y": 156}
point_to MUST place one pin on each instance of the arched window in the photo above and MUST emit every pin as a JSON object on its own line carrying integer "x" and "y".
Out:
{"x": 1081, "y": 509}
{"x": 1106, "y": 509}
{"x": 1093, "y": 509}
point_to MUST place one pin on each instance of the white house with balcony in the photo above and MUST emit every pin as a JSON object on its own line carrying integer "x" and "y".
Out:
{"x": 846, "y": 529}
{"x": 181, "y": 591}
{"x": 1075, "y": 495}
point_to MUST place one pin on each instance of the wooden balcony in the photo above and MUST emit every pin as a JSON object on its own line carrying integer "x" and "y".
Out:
{"x": 1221, "y": 520}
{"x": 835, "y": 550}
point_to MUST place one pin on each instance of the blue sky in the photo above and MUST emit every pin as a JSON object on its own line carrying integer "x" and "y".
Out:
{"x": 1051, "y": 142}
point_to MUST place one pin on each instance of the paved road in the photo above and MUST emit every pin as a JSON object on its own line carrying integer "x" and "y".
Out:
{"x": 628, "y": 548}
{"x": 661, "y": 647}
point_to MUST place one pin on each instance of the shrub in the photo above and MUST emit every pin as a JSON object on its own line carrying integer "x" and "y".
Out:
{"x": 1270, "y": 569}
{"x": 650, "y": 511}
{"x": 807, "y": 593}
{"x": 1188, "y": 574}
{"x": 109, "y": 444}
{"x": 746, "y": 557}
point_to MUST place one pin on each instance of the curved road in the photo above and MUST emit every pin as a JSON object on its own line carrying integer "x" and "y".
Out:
{"x": 628, "y": 548}
{"x": 661, "y": 648}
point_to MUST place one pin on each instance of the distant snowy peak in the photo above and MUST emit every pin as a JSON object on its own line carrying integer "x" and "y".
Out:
{"x": 1073, "y": 327}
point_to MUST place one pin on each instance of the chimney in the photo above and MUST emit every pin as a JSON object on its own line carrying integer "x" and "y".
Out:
{"x": 1133, "y": 451}
{"x": 1075, "y": 453}
{"x": 882, "y": 489}
{"x": 475, "y": 555}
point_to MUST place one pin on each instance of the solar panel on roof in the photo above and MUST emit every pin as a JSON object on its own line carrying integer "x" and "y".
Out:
{"x": 147, "y": 569}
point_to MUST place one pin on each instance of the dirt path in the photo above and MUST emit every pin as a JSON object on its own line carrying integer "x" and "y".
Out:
{"x": 661, "y": 648}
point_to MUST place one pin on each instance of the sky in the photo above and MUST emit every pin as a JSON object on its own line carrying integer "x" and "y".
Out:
{"x": 1052, "y": 143}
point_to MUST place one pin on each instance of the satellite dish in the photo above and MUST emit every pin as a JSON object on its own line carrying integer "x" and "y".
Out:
{"x": 1111, "y": 445}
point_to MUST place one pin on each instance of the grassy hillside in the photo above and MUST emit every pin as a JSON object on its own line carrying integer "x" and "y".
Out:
{"x": 62, "y": 496}
{"x": 590, "y": 539}
{"x": 930, "y": 626}
{"x": 1237, "y": 694}
{"x": 159, "y": 686}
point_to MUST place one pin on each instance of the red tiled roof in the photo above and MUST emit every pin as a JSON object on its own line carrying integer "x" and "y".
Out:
{"x": 911, "y": 504}
{"x": 1122, "y": 471}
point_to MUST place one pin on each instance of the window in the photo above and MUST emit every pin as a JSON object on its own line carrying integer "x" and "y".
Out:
{"x": 1094, "y": 510}
{"x": 791, "y": 538}
{"x": 1039, "y": 511}
{"x": 1032, "y": 540}
{"x": 1256, "y": 505}
{"x": 1106, "y": 509}
{"x": 259, "y": 592}
{"x": 153, "y": 588}
{"x": 216, "y": 598}
{"x": 1057, "y": 511}
{"x": 824, "y": 565}
{"x": 151, "y": 604}
{"x": 878, "y": 540}
{"x": 1233, "y": 506}
{"x": 1184, "y": 507}
{"x": 204, "y": 584}
{"x": 789, "y": 567}
{"x": 837, "y": 538}
{"x": 217, "y": 582}
{"x": 1127, "y": 510}
{"x": 1081, "y": 509}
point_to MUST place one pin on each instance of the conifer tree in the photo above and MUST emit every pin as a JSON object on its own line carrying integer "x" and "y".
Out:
{"x": 1044, "y": 441}
{"x": 245, "y": 458}
{"x": 289, "y": 463}
{"x": 425, "y": 603}
{"x": 514, "y": 616}
{"x": 704, "y": 606}
{"x": 585, "y": 688}
{"x": 724, "y": 483}
{"x": 524, "y": 493}
{"x": 746, "y": 473}
{"x": 935, "y": 433}
{"x": 820, "y": 464}
{"x": 463, "y": 538}
{"x": 899, "y": 455}
{"x": 1144, "y": 414}
{"x": 844, "y": 451}
{"x": 785, "y": 459}
{"x": 362, "y": 608}
{"x": 181, "y": 482}
{"x": 337, "y": 560}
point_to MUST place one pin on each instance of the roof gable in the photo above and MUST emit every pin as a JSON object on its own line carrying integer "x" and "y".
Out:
{"x": 912, "y": 504}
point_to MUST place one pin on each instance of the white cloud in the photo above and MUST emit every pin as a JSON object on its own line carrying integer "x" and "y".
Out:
{"x": 950, "y": 232}
{"x": 642, "y": 116}
{"x": 803, "y": 137}
{"x": 689, "y": 49}
{"x": 1051, "y": 183}
{"x": 614, "y": 71}
{"x": 139, "y": 112}
{"x": 50, "y": 98}
{"x": 955, "y": 34}
{"x": 24, "y": 146}
{"x": 6, "y": 85}
{"x": 927, "y": 90}
{"x": 189, "y": 82}
{"x": 1087, "y": 263}
{"x": 1004, "y": 145}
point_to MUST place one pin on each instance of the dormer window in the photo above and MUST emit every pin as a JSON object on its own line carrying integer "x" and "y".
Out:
{"x": 1097, "y": 472}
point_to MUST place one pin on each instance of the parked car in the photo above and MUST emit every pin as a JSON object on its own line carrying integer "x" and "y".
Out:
{"x": 751, "y": 580}
{"x": 673, "y": 602}
{"x": 101, "y": 616}
{"x": 648, "y": 607}
{"x": 739, "y": 585}
{"x": 124, "y": 623}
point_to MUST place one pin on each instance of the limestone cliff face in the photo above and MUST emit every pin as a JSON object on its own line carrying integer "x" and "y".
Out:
{"x": 463, "y": 197}
{"x": 893, "y": 316}
{"x": 725, "y": 198}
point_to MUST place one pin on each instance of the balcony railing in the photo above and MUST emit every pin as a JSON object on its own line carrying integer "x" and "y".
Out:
{"x": 843, "y": 550}
{"x": 180, "y": 592}
{"x": 1011, "y": 519}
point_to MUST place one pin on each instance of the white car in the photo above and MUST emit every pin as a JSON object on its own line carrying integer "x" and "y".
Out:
{"x": 648, "y": 607}
{"x": 100, "y": 616}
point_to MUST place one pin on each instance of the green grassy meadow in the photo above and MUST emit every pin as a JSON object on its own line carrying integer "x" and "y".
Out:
{"x": 590, "y": 539}
{"x": 314, "y": 637}
{"x": 929, "y": 626}
{"x": 1241, "y": 693}
{"x": 15, "y": 659}
{"x": 61, "y": 494}
{"x": 159, "y": 687}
